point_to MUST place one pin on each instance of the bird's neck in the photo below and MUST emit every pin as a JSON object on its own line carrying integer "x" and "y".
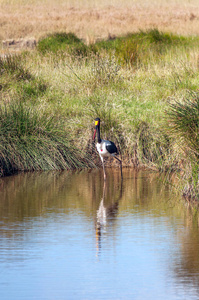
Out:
{"x": 98, "y": 135}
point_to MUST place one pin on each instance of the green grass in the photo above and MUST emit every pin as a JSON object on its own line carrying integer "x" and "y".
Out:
{"x": 134, "y": 49}
{"x": 136, "y": 84}
{"x": 140, "y": 48}
{"x": 64, "y": 42}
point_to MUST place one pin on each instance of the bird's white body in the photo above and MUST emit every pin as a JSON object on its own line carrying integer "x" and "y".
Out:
{"x": 101, "y": 148}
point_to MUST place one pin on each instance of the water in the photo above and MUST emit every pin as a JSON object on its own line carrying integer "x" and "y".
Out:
{"x": 67, "y": 236}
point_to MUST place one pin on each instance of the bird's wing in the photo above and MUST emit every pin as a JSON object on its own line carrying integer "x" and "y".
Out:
{"x": 110, "y": 147}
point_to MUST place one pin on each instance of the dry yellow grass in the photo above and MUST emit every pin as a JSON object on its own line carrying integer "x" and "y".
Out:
{"x": 95, "y": 19}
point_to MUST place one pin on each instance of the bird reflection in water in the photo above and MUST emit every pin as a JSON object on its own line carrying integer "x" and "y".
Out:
{"x": 106, "y": 214}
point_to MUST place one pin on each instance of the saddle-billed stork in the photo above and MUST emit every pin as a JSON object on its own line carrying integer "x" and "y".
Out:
{"x": 105, "y": 148}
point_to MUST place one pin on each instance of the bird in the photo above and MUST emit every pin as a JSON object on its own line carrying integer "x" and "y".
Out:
{"x": 105, "y": 148}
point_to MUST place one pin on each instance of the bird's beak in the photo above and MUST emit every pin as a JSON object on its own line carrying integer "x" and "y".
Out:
{"x": 94, "y": 134}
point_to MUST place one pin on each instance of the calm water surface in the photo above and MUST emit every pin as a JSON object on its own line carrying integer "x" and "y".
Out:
{"x": 69, "y": 236}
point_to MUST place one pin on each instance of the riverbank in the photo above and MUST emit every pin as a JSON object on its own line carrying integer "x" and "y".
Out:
{"x": 140, "y": 85}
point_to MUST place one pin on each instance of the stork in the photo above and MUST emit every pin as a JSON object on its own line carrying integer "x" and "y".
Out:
{"x": 105, "y": 148}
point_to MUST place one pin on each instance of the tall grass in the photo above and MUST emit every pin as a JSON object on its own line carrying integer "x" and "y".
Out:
{"x": 184, "y": 123}
{"x": 31, "y": 138}
{"x": 183, "y": 118}
{"x": 33, "y": 142}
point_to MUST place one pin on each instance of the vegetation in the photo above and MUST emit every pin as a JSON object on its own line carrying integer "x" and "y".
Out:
{"x": 184, "y": 127}
{"x": 143, "y": 86}
{"x": 63, "y": 41}
{"x": 33, "y": 142}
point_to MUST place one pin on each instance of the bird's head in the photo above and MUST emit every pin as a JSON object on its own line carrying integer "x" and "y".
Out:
{"x": 97, "y": 125}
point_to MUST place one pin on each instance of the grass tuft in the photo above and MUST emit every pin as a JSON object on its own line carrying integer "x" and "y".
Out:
{"x": 11, "y": 65}
{"x": 184, "y": 123}
{"x": 183, "y": 118}
{"x": 65, "y": 42}
{"x": 32, "y": 142}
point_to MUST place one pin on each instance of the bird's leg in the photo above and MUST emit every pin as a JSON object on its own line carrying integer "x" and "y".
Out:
{"x": 120, "y": 165}
{"x": 104, "y": 171}
{"x": 103, "y": 167}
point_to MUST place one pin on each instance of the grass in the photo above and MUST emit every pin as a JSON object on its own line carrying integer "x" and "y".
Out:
{"x": 183, "y": 120}
{"x": 137, "y": 49}
{"x": 139, "y": 85}
{"x": 31, "y": 142}
{"x": 184, "y": 123}
{"x": 63, "y": 42}
{"x": 32, "y": 138}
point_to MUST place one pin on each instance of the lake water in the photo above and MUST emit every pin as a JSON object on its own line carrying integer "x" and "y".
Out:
{"x": 66, "y": 235}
